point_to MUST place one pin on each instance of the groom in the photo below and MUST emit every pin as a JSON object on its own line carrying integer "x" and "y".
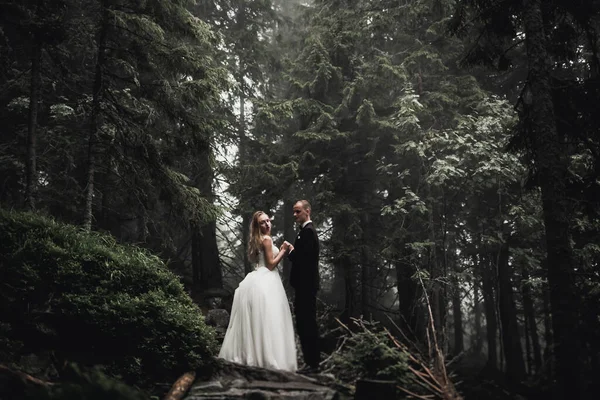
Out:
{"x": 304, "y": 278}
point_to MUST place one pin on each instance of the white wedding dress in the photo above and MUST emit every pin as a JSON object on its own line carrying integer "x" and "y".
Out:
{"x": 260, "y": 331}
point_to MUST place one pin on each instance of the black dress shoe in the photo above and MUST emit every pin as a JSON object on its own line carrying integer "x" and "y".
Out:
{"x": 309, "y": 370}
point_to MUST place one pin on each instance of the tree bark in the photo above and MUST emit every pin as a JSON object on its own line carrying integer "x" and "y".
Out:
{"x": 343, "y": 268}
{"x": 511, "y": 338}
{"x": 242, "y": 155}
{"x": 490, "y": 312}
{"x": 478, "y": 342}
{"x": 551, "y": 166}
{"x": 34, "y": 100}
{"x": 437, "y": 269}
{"x": 209, "y": 263}
{"x": 548, "y": 353}
{"x": 529, "y": 310}
{"x": 97, "y": 93}
{"x": 245, "y": 237}
{"x": 528, "y": 362}
{"x": 459, "y": 342}
{"x": 181, "y": 386}
{"x": 408, "y": 294}
{"x": 367, "y": 268}
{"x": 211, "y": 276}
{"x": 289, "y": 233}
{"x": 196, "y": 257}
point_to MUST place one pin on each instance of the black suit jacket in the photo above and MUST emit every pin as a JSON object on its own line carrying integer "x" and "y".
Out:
{"x": 304, "y": 275}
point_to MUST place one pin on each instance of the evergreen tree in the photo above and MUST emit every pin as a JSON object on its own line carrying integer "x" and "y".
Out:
{"x": 548, "y": 34}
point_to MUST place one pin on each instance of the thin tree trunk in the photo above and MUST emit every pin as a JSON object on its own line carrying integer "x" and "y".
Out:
{"x": 435, "y": 259}
{"x": 243, "y": 156}
{"x": 528, "y": 358}
{"x": 245, "y": 237}
{"x": 408, "y": 294}
{"x": 511, "y": 339}
{"x": 529, "y": 310}
{"x": 196, "y": 258}
{"x": 551, "y": 167}
{"x": 459, "y": 345}
{"x": 344, "y": 268}
{"x": 548, "y": 353}
{"x": 97, "y": 92}
{"x": 478, "y": 342}
{"x": 366, "y": 270}
{"x": 34, "y": 100}
{"x": 289, "y": 234}
{"x": 350, "y": 309}
{"x": 490, "y": 312}
{"x": 211, "y": 275}
{"x": 443, "y": 258}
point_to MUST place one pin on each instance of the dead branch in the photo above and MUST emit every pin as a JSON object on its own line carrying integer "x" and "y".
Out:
{"x": 23, "y": 376}
{"x": 336, "y": 351}
{"x": 344, "y": 326}
{"x": 418, "y": 396}
{"x": 439, "y": 366}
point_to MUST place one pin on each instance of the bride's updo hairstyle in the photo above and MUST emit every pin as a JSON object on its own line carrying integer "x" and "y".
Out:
{"x": 255, "y": 241}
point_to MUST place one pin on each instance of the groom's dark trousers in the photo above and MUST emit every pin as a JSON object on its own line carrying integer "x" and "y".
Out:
{"x": 304, "y": 278}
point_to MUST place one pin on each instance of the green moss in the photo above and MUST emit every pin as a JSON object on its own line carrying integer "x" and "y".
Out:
{"x": 95, "y": 302}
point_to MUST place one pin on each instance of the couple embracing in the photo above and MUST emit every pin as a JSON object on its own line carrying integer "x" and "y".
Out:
{"x": 260, "y": 331}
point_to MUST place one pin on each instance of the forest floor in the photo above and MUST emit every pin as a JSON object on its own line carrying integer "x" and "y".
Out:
{"x": 475, "y": 382}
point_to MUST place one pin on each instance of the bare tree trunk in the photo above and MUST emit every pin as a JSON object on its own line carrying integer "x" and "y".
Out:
{"x": 511, "y": 339}
{"x": 34, "y": 100}
{"x": 551, "y": 166}
{"x": 528, "y": 363}
{"x": 459, "y": 345}
{"x": 548, "y": 352}
{"x": 196, "y": 258}
{"x": 243, "y": 155}
{"x": 97, "y": 94}
{"x": 366, "y": 269}
{"x": 343, "y": 267}
{"x": 529, "y": 310}
{"x": 435, "y": 267}
{"x": 211, "y": 274}
{"x": 349, "y": 288}
{"x": 245, "y": 237}
{"x": 478, "y": 342}
{"x": 490, "y": 312}
{"x": 289, "y": 234}
{"x": 408, "y": 295}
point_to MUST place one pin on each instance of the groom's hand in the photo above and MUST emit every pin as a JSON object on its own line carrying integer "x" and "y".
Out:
{"x": 289, "y": 246}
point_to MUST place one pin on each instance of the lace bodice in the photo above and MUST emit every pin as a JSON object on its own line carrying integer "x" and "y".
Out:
{"x": 261, "y": 257}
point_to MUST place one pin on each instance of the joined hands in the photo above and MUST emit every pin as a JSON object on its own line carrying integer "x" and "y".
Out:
{"x": 287, "y": 246}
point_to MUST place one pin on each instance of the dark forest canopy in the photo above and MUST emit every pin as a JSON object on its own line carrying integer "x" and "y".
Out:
{"x": 450, "y": 149}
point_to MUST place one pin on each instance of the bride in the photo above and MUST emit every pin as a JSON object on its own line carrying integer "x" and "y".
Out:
{"x": 260, "y": 331}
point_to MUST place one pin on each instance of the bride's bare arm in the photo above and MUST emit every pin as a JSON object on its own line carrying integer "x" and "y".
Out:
{"x": 268, "y": 249}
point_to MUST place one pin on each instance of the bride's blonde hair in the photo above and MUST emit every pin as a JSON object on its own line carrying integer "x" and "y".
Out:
{"x": 255, "y": 239}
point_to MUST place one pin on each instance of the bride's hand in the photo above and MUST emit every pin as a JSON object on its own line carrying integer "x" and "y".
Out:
{"x": 286, "y": 246}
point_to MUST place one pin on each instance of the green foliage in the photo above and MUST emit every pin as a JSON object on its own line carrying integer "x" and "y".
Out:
{"x": 158, "y": 110}
{"x": 90, "y": 384}
{"x": 370, "y": 354}
{"x": 92, "y": 301}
